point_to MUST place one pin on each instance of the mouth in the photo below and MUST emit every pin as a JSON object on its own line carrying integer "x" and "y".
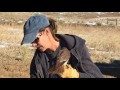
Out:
{"x": 38, "y": 47}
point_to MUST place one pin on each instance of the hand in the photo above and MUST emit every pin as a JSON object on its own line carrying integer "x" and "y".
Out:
{"x": 69, "y": 72}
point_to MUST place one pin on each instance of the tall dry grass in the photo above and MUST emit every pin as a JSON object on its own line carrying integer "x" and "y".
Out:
{"x": 15, "y": 59}
{"x": 11, "y": 34}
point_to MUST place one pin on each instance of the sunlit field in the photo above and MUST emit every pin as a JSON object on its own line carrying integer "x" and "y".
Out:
{"x": 103, "y": 42}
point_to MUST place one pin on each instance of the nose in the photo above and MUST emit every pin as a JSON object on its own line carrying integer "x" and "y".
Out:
{"x": 34, "y": 44}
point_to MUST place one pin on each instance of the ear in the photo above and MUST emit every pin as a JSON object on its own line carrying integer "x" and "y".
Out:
{"x": 47, "y": 31}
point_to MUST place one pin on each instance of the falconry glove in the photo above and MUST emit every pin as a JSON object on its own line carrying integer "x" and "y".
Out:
{"x": 69, "y": 72}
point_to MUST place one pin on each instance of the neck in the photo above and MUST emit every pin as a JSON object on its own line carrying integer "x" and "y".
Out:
{"x": 54, "y": 45}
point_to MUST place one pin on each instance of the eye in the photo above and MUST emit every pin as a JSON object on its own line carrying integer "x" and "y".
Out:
{"x": 40, "y": 34}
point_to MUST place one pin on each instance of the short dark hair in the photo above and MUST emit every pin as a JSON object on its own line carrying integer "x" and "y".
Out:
{"x": 52, "y": 27}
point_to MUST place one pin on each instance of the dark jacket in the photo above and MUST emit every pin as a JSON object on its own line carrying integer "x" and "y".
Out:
{"x": 80, "y": 59}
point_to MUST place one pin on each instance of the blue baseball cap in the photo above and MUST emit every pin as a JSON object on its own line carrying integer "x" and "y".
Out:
{"x": 32, "y": 26}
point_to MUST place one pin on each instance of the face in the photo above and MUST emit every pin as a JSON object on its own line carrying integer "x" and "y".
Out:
{"x": 42, "y": 41}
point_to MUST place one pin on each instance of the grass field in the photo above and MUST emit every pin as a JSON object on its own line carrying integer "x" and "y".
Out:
{"x": 103, "y": 43}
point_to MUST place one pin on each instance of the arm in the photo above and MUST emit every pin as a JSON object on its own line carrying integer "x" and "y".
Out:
{"x": 89, "y": 68}
{"x": 33, "y": 69}
{"x": 36, "y": 65}
{"x": 54, "y": 76}
{"x": 84, "y": 69}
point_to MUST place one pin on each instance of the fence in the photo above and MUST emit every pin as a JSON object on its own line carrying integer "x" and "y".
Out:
{"x": 112, "y": 20}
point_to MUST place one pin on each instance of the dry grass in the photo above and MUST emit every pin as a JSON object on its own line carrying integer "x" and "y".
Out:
{"x": 11, "y": 34}
{"x": 15, "y": 60}
{"x": 103, "y": 42}
{"x": 15, "y": 15}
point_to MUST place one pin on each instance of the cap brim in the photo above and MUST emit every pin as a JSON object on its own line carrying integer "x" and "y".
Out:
{"x": 29, "y": 38}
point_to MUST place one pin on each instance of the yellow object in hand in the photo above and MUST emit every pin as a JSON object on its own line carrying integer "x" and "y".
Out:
{"x": 69, "y": 72}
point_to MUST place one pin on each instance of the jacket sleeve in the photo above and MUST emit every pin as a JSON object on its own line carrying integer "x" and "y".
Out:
{"x": 33, "y": 71}
{"x": 54, "y": 76}
{"x": 35, "y": 65}
{"x": 90, "y": 70}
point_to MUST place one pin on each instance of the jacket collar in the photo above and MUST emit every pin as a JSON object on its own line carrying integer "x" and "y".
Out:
{"x": 71, "y": 41}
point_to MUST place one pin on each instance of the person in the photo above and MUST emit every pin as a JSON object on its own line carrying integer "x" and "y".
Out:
{"x": 41, "y": 32}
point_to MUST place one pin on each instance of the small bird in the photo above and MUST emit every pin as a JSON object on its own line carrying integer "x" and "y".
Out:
{"x": 62, "y": 60}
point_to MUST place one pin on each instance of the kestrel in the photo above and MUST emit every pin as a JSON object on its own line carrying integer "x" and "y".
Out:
{"x": 62, "y": 60}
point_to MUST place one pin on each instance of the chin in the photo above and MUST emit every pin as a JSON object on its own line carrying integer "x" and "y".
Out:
{"x": 42, "y": 50}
